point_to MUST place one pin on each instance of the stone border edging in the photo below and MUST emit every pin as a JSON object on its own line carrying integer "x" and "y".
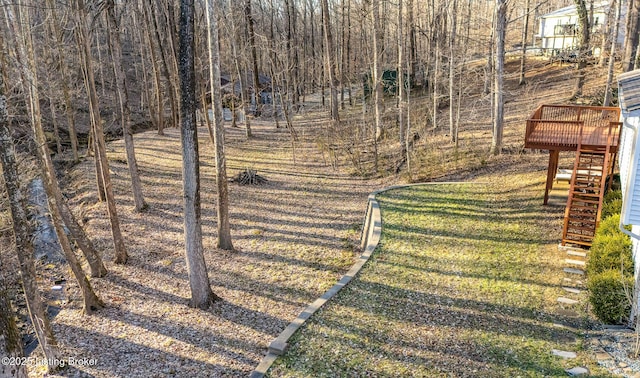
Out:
{"x": 369, "y": 238}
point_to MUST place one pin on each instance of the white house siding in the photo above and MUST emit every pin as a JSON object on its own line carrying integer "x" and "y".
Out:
{"x": 628, "y": 153}
{"x": 568, "y": 16}
{"x": 629, "y": 165}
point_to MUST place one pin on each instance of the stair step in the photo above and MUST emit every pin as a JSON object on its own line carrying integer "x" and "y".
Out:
{"x": 571, "y": 290}
{"x": 575, "y": 218}
{"x": 567, "y": 301}
{"x": 590, "y": 208}
{"x": 575, "y": 262}
{"x": 578, "y": 242}
{"x": 579, "y": 232}
{"x": 583, "y": 200}
{"x": 579, "y": 272}
{"x": 574, "y": 228}
{"x": 595, "y": 195}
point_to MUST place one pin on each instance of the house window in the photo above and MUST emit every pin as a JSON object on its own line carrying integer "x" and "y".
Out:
{"x": 569, "y": 29}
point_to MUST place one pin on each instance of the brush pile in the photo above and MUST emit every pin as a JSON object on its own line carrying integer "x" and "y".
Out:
{"x": 249, "y": 177}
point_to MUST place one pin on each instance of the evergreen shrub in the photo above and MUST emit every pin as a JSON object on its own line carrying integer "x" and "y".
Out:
{"x": 609, "y": 293}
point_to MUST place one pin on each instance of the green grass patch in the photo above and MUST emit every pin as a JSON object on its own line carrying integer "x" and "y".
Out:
{"x": 463, "y": 283}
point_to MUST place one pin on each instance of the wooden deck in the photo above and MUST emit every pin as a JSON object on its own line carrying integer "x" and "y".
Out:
{"x": 557, "y": 127}
{"x": 565, "y": 127}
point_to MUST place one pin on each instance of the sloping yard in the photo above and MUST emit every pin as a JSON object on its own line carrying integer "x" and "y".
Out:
{"x": 464, "y": 283}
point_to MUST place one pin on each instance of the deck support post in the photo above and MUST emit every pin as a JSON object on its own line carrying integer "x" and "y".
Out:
{"x": 551, "y": 173}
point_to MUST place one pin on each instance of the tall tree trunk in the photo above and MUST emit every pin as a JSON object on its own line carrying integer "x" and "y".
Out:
{"x": 400, "y": 84}
{"x": 201, "y": 294}
{"x": 157, "y": 118}
{"x": 224, "y": 229}
{"x": 584, "y": 33}
{"x": 452, "y": 69}
{"x": 498, "y": 123}
{"x": 123, "y": 98}
{"x": 241, "y": 77}
{"x": 348, "y": 76}
{"x": 121, "y": 255}
{"x": 377, "y": 69}
{"x": 254, "y": 57}
{"x": 612, "y": 55}
{"x": 26, "y": 59}
{"x": 330, "y": 61}
{"x": 92, "y": 147}
{"x": 463, "y": 66}
{"x": 55, "y": 24}
{"x": 10, "y": 340}
{"x": 632, "y": 36}
{"x": 166, "y": 66}
{"x": 489, "y": 67}
{"x": 436, "y": 75}
{"x": 23, "y": 230}
{"x": 413, "y": 53}
{"x": 59, "y": 207}
{"x": 525, "y": 31}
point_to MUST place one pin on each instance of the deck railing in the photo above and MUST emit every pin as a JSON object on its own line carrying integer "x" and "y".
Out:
{"x": 557, "y": 127}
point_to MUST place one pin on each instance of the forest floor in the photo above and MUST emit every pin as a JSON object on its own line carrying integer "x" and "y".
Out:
{"x": 294, "y": 236}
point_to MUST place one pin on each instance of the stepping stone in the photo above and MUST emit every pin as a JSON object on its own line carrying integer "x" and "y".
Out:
{"x": 567, "y": 313}
{"x": 578, "y": 371}
{"x": 567, "y": 301}
{"x": 575, "y": 262}
{"x": 603, "y": 356}
{"x": 568, "y": 248}
{"x": 572, "y": 290}
{"x": 574, "y": 271}
{"x": 573, "y": 281}
{"x": 563, "y": 353}
{"x": 576, "y": 253}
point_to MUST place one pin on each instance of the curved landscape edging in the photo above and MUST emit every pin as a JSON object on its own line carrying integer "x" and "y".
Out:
{"x": 369, "y": 239}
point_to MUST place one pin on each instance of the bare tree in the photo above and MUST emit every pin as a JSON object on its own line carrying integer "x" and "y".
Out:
{"x": 156, "y": 117}
{"x": 612, "y": 53}
{"x": 330, "y": 60}
{"x": 525, "y": 30}
{"x": 98, "y": 132}
{"x": 452, "y": 69}
{"x": 584, "y": 35}
{"x": 201, "y": 294}
{"x": 62, "y": 66}
{"x": 254, "y": 56}
{"x": 27, "y": 62}
{"x": 400, "y": 83}
{"x": 115, "y": 46}
{"x": 224, "y": 228}
{"x": 498, "y": 123}
{"x": 632, "y": 36}
{"x": 377, "y": 68}
{"x": 242, "y": 82}
{"x": 10, "y": 340}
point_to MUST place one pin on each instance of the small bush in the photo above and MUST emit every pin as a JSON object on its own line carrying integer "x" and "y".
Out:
{"x": 612, "y": 203}
{"x": 611, "y": 249}
{"x": 607, "y": 295}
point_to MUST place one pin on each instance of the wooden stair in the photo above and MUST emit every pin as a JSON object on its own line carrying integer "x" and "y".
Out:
{"x": 588, "y": 185}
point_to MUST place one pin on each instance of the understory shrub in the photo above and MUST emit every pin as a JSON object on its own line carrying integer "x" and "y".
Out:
{"x": 609, "y": 293}
{"x": 610, "y": 265}
{"x": 611, "y": 249}
{"x": 612, "y": 203}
